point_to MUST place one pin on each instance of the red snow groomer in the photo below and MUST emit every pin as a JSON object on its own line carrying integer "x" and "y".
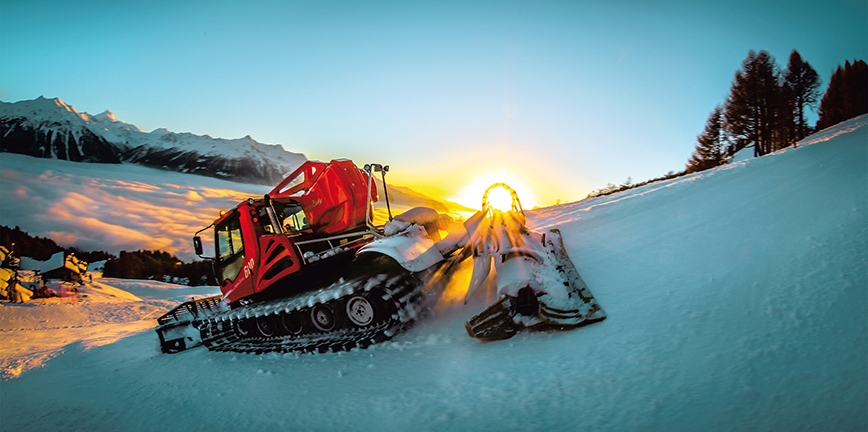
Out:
{"x": 305, "y": 269}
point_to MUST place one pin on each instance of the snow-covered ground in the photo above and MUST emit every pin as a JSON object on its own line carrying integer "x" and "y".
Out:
{"x": 737, "y": 299}
{"x": 104, "y": 312}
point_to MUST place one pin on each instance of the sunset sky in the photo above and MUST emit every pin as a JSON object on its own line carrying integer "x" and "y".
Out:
{"x": 558, "y": 98}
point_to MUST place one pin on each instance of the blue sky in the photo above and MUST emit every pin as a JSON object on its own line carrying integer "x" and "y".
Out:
{"x": 564, "y": 97}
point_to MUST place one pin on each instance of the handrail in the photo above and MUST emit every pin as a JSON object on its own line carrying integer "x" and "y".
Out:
{"x": 332, "y": 248}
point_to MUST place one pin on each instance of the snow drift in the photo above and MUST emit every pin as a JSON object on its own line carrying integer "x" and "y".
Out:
{"x": 736, "y": 299}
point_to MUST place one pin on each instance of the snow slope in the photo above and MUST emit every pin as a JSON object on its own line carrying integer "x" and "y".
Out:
{"x": 106, "y": 311}
{"x": 736, "y": 298}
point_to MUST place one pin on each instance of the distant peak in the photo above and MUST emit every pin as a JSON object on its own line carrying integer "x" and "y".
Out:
{"x": 106, "y": 115}
{"x": 60, "y": 103}
{"x": 46, "y": 106}
{"x": 50, "y": 101}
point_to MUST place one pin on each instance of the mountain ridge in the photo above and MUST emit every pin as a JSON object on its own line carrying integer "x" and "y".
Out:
{"x": 51, "y": 128}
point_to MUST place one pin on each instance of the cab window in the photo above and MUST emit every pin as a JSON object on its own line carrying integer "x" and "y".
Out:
{"x": 229, "y": 239}
{"x": 299, "y": 179}
{"x": 293, "y": 218}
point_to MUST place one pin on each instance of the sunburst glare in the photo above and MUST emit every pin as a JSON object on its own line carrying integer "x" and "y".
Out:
{"x": 471, "y": 194}
{"x": 499, "y": 198}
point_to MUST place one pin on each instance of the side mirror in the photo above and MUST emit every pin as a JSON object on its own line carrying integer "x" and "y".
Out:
{"x": 197, "y": 245}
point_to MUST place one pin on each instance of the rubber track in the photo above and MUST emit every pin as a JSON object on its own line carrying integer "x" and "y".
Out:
{"x": 401, "y": 294}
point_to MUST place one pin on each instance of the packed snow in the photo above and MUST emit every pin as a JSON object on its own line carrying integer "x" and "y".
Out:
{"x": 736, "y": 299}
{"x": 103, "y": 312}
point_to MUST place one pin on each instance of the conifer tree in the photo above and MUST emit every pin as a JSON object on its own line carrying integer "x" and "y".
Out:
{"x": 786, "y": 126}
{"x": 832, "y": 105}
{"x": 858, "y": 88}
{"x": 847, "y": 95}
{"x": 711, "y": 149}
{"x": 801, "y": 85}
{"x": 753, "y": 106}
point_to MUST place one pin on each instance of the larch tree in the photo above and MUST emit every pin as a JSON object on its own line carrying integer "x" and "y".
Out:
{"x": 832, "y": 105}
{"x": 712, "y": 144}
{"x": 753, "y": 106}
{"x": 847, "y": 95}
{"x": 802, "y": 85}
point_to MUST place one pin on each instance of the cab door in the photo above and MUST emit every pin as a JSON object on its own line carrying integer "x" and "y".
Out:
{"x": 233, "y": 267}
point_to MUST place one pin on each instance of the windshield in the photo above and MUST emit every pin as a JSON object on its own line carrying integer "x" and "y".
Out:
{"x": 229, "y": 238}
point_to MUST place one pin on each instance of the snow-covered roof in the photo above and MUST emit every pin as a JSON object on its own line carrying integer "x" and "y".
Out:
{"x": 56, "y": 261}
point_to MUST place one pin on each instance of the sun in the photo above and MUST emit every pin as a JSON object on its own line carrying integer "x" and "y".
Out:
{"x": 471, "y": 194}
{"x": 499, "y": 198}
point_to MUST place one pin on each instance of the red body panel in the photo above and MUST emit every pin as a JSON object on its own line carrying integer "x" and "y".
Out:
{"x": 333, "y": 197}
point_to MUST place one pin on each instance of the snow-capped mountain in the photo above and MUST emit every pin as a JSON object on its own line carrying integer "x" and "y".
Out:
{"x": 50, "y": 128}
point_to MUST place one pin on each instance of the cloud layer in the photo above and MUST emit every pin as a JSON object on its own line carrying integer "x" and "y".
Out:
{"x": 115, "y": 207}
{"x": 112, "y": 207}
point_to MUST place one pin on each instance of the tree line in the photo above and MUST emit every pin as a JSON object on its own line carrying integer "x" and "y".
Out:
{"x": 766, "y": 107}
{"x": 628, "y": 184}
{"x": 41, "y": 248}
{"x": 159, "y": 265}
{"x": 141, "y": 264}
